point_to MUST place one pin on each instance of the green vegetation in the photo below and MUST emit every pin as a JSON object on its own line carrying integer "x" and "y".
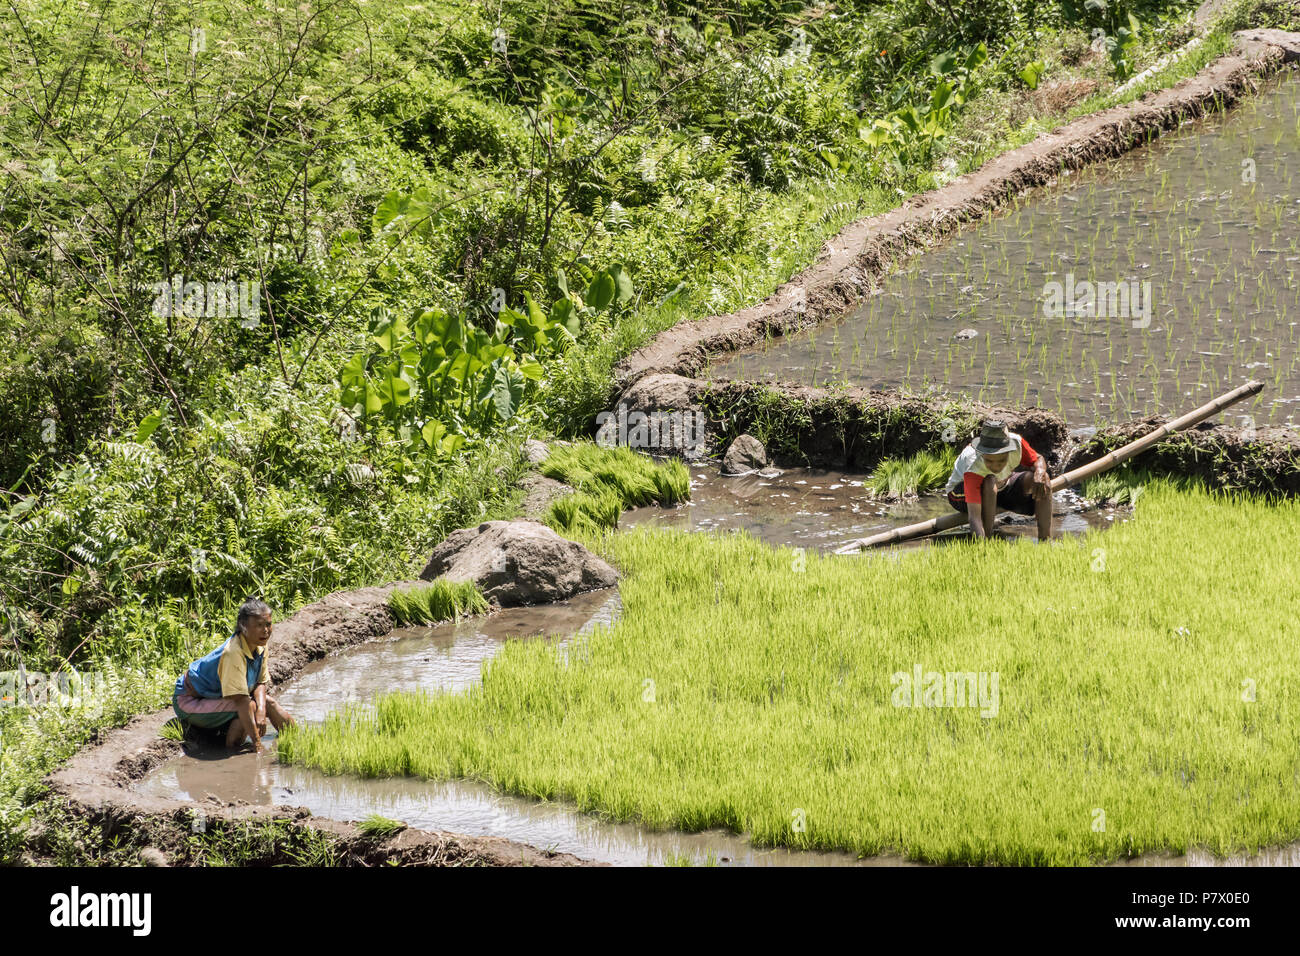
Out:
{"x": 684, "y": 859}
{"x": 380, "y": 827}
{"x": 1127, "y": 684}
{"x": 897, "y": 478}
{"x": 438, "y": 601}
{"x": 606, "y": 481}
{"x": 284, "y": 291}
{"x": 1121, "y": 486}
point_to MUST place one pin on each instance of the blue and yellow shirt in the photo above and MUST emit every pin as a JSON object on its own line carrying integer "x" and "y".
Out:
{"x": 233, "y": 668}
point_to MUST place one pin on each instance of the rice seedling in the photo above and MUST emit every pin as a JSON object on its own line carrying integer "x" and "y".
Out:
{"x": 684, "y": 859}
{"x": 1113, "y": 486}
{"x": 608, "y": 480}
{"x": 897, "y": 478}
{"x": 440, "y": 600}
{"x": 733, "y": 698}
{"x": 172, "y": 730}
{"x": 1176, "y": 214}
{"x": 380, "y": 827}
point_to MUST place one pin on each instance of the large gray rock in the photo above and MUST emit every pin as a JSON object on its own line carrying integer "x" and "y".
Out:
{"x": 658, "y": 414}
{"x": 518, "y": 562}
{"x": 535, "y": 451}
{"x": 661, "y": 391}
{"x": 744, "y": 455}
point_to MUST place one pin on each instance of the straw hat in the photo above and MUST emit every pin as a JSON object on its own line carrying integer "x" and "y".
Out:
{"x": 994, "y": 439}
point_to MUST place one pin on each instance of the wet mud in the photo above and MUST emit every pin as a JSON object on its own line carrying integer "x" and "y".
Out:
{"x": 822, "y": 509}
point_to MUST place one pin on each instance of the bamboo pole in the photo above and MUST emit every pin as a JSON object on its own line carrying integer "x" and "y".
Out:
{"x": 1105, "y": 463}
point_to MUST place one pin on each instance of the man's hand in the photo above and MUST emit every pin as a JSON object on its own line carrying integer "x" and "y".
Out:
{"x": 1042, "y": 487}
{"x": 259, "y": 708}
{"x": 251, "y": 719}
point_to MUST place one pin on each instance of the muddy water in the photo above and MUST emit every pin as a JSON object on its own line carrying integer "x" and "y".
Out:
{"x": 800, "y": 507}
{"x": 1209, "y": 216}
{"x": 449, "y": 656}
{"x": 822, "y": 510}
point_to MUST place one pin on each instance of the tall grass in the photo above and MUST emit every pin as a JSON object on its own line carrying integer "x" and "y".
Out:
{"x": 907, "y": 477}
{"x": 607, "y": 480}
{"x": 735, "y": 691}
{"x": 438, "y": 601}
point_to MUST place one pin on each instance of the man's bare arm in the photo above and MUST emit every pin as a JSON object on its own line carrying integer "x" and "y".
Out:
{"x": 247, "y": 712}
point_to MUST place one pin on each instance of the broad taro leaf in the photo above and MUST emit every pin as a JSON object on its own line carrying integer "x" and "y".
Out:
{"x": 601, "y": 291}
{"x": 390, "y": 334}
{"x": 622, "y": 283}
{"x": 433, "y": 432}
{"x": 394, "y": 390}
{"x": 565, "y": 315}
{"x": 507, "y": 392}
{"x": 535, "y": 317}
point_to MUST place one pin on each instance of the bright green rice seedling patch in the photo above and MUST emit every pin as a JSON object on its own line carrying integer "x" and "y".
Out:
{"x": 607, "y": 481}
{"x": 907, "y": 477}
{"x": 1112, "y": 486}
{"x": 380, "y": 826}
{"x": 438, "y": 601}
{"x": 1136, "y": 710}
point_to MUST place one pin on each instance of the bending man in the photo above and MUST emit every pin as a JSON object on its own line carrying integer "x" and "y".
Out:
{"x": 1000, "y": 470}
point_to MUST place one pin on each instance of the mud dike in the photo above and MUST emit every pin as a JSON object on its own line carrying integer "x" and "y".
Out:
{"x": 853, "y": 427}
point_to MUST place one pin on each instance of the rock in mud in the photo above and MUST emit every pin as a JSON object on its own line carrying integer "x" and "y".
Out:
{"x": 661, "y": 391}
{"x": 518, "y": 562}
{"x": 152, "y": 856}
{"x": 965, "y": 334}
{"x": 535, "y": 451}
{"x": 745, "y": 454}
{"x": 660, "y": 413}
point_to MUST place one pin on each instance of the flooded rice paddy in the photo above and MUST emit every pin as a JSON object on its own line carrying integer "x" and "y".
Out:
{"x": 448, "y": 657}
{"x": 1198, "y": 238}
{"x": 821, "y": 510}
{"x": 811, "y": 508}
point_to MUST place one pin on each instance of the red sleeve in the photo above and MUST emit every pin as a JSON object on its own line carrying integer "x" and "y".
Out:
{"x": 1027, "y": 455}
{"x": 971, "y": 485}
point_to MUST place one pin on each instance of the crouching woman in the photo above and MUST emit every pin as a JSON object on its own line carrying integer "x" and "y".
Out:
{"x": 228, "y": 688}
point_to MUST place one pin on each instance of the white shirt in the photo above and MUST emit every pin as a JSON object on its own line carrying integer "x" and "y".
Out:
{"x": 970, "y": 460}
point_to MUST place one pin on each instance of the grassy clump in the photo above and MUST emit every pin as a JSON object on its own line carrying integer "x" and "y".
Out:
{"x": 438, "y": 601}
{"x": 380, "y": 827}
{"x": 1120, "y": 690}
{"x": 607, "y": 481}
{"x": 1117, "y": 486}
{"x": 896, "y": 478}
{"x": 1124, "y": 484}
